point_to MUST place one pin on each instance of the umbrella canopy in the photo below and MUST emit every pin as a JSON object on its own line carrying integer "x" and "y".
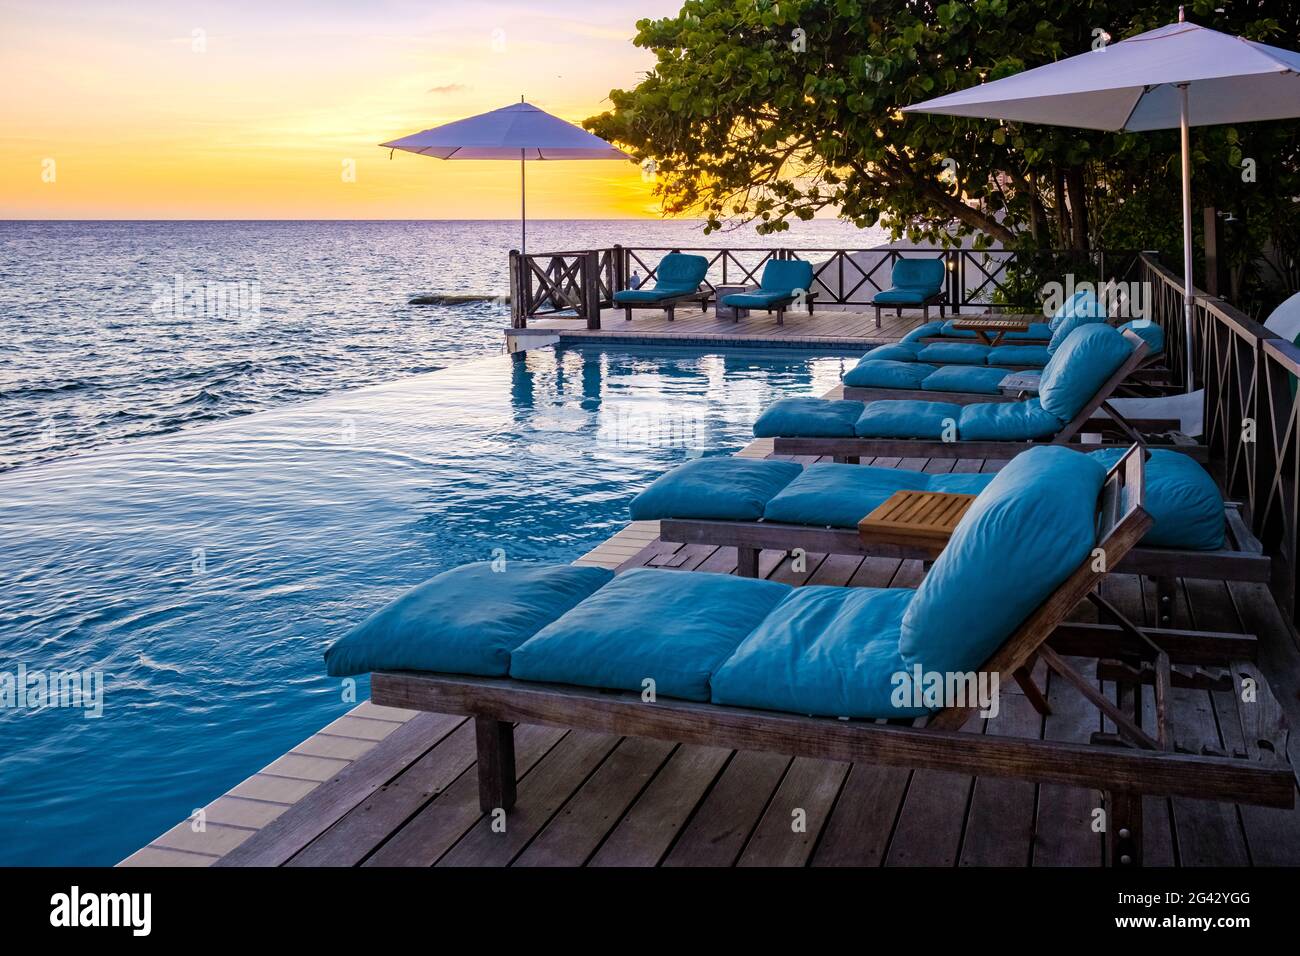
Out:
{"x": 520, "y": 131}
{"x": 1180, "y": 75}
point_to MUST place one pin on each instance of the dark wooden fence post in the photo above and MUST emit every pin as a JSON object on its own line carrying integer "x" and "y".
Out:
{"x": 619, "y": 260}
{"x": 1211, "y": 250}
{"x": 518, "y": 314}
{"x": 590, "y": 275}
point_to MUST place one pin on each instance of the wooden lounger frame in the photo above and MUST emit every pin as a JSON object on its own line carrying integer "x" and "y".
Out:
{"x": 1125, "y": 765}
{"x": 1241, "y": 560}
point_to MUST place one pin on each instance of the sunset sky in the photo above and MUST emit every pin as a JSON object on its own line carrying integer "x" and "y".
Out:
{"x": 249, "y": 108}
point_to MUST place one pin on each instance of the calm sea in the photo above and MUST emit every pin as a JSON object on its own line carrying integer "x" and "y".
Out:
{"x": 97, "y": 351}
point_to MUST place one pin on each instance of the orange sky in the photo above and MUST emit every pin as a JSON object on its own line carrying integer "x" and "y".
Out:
{"x": 241, "y": 109}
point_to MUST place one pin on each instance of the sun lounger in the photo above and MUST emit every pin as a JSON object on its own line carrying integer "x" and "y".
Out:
{"x": 753, "y": 505}
{"x": 677, "y": 280}
{"x": 1077, "y": 383}
{"x": 1039, "y": 333}
{"x": 784, "y": 282}
{"x": 915, "y": 283}
{"x": 734, "y": 662}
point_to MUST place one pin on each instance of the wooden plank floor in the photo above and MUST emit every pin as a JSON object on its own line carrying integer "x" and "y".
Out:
{"x": 600, "y": 800}
{"x": 823, "y": 327}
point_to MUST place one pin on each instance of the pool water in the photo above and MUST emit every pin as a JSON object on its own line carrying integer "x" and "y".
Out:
{"x": 205, "y": 572}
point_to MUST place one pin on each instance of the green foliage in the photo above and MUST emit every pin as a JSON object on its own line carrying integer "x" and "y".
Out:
{"x": 771, "y": 111}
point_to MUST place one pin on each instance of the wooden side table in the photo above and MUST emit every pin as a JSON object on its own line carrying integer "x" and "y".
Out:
{"x": 990, "y": 329}
{"x": 730, "y": 311}
{"x": 919, "y": 519}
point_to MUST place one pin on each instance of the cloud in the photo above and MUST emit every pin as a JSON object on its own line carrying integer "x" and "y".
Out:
{"x": 447, "y": 88}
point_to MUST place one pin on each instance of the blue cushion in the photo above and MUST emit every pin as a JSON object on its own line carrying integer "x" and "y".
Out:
{"x": 881, "y": 373}
{"x": 1151, "y": 333}
{"x": 830, "y": 495}
{"x": 1181, "y": 497}
{"x": 808, "y": 418}
{"x": 826, "y": 651}
{"x": 672, "y": 627}
{"x": 979, "y": 379}
{"x": 926, "y": 330}
{"x": 721, "y": 486}
{"x": 923, "y": 275}
{"x": 1007, "y": 421}
{"x": 954, "y": 353}
{"x": 1075, "y": 320}
{"x": 757, "y": 300}
{"x": 464, "y": 621}
{"x": 677, "y": 270}
{"x": 1084, "y": 300}
{"x": 1029, "y": 530}
{"x": 949, "y": 332}
{"x": 908, "y": 419}
{"x": 897, "y": 352}
{"x": 901, "y": 297}
{"x": 1030, "y": 356}
{"x": 1036, "y": 330}
{"x": 787, "y": 275}
{"x": 649, "y": 296}
{"x": 1089, "y": 356}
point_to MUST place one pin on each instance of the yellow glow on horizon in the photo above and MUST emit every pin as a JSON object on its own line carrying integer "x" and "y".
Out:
{"x": 266, "y": 110}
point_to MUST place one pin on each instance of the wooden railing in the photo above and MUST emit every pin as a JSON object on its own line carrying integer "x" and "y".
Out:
{"x": 577, "y": 284}
{"x": 1251, "y": 425}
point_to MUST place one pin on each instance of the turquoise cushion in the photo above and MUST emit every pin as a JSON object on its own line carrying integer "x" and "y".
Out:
{"x": 787, "y": 275}
{"x": 923, "y": 275}
{"x": 756, "y": 300}
{"x": 808, "y": 418}
{"x": 830, "y": 495}
{"x": 908, "y": 419}
{"x": 881, "y": 373}
{"x": 1036, "y": 330}
{"x": 672, "y": 627}
{"x": 901, "y": 297}
{"x": 1084, "y": 300}
{"x": 464, "y": 621}
{"x": 1031, "y": 356}
{"x": 954, "y": 353}
{"x": 898, "y": 352}
{"x": 677, "y": 270}
{"x": 949, "y": 332}
{"x": 722, "y": 486}
{"x": 649, "y": 296}
{"x": 1080, "y": 367}
{"x": 1075, "y": 320}
{"x": 1151, "y": 333}
{"x": 1007, "y": 421}
{"x": 979, "y": 379}
{"x": 826, "y": 651}
{"x": 1029, "y": 530}
{"x": 1181, "y": 498}
{"x": 924, "y": 331}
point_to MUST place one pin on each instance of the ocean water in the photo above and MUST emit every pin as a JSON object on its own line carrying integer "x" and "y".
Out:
{"x": 201, "y": 574}
{"x": 96, "y": 351}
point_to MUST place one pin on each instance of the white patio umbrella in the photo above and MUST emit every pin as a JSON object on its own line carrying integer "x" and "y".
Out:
{"x": 520, "y": 131}
{"x": 1181, "y": 75}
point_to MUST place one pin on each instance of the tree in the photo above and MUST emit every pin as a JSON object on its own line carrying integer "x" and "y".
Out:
{"x": 771, "y": 111}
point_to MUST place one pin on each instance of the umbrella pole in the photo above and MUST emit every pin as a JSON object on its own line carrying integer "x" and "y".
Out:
{"x": 523, "y": 207}
{"x": 1185, "y": 129}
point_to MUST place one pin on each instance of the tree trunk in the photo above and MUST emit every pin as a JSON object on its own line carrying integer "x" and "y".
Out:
{"x": 1062, "y": 212}
{"x": 1078, "y": 192}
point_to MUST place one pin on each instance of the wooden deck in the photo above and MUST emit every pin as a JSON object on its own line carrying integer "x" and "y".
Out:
{"x": 382, "y": 787}
{"x": 831, "y": 328}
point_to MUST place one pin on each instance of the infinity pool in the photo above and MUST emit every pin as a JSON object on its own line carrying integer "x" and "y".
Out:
{"x": 205, "y": 572}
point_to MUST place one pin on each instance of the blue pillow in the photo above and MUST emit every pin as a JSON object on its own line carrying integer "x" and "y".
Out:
{"x": 954, "y": 353}
{"x": 882, "y": 373}
{"x": 672, "y": 627}
{"x": 924, "y": 331}
{"x": 1033, "y": 356}
{"x": 464, "y": 621}
{"x": 1151, "y": 333}
{"x": 808, "y": 418}
{"x": 1181, "y": 498}
{"x": 827, "y": 651}
{"x": 979, "y": 379}
{"x": 1030, "y": 529}
{"x": 831, "y": 495}
{"x": 1075, "y": 320}
{"x": 1084, "y": 300}
{"x": 892, "y": 418}
{"x": 1007, "y": 421}
{"x": 1090, "y": 356}
{"x": 897, "y": 352}
{"x": 722, "y": 487}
